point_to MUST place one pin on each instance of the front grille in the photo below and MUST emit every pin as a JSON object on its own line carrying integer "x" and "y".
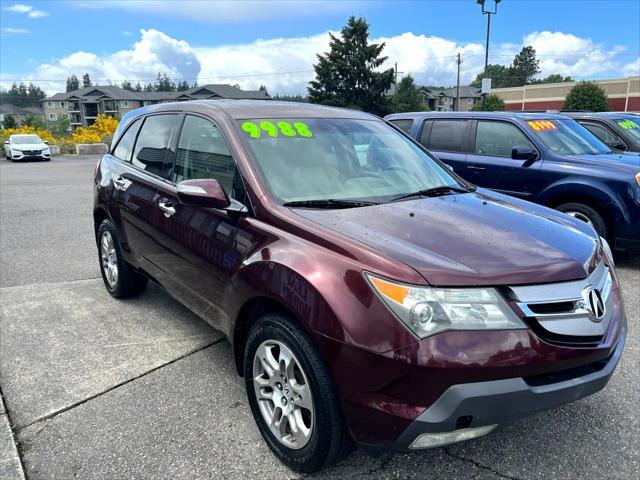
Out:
{"x": 31, "y": 152}
{"x": 560, "y": 312}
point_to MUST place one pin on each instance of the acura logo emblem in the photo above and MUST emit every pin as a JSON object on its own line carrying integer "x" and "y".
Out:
{"x": 595, "y": 304}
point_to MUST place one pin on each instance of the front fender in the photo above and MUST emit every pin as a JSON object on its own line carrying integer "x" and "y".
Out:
{"x": 599, "y": 192}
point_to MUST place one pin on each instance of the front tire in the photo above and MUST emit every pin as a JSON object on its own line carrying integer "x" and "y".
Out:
{"x": 120, "y": 278}
{"x": 292, "y": 396}
{"x": 588, "y": 215}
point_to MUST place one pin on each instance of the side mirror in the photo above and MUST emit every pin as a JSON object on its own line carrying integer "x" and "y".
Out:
{"x": 616, "y": 145}
{"x": 46, "y": 142}
{"x": 6, "y": 142}
{"x": 520, "y": 152}
{"x": 203, "y": 193}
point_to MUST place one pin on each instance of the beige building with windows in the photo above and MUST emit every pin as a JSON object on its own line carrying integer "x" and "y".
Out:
{"x": 83, "y": 106}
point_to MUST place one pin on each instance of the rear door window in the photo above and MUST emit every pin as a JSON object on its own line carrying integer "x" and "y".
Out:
{"x": 125, "y": 145}
{"x": 497, "y": 139}
{"x": 403, "y": 124}
{"x": 154, "y": 151}
{"x": 448, "y": 135}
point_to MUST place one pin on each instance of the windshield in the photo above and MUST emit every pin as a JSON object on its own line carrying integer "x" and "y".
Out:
{"x": 26, "y": 139}
{"x": 567, "y": 137}
{"x": 339, "y": 159}
{"x": 631, "y": 125}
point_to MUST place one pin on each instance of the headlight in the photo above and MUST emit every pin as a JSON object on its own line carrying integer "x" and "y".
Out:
{"x": 608, "y": 252}
{"x": 426, "y": 311}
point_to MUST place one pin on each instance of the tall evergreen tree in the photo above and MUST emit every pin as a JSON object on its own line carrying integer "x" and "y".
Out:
{"x": 164, "y": 84}
{"x": 148, "y": 88}
{"x": 86, "y": 81}
{"x": 407, "y": 97}
{"x": 72, "y": 83}
{"x": 127, "y": 85}
{"x": 347, "y": 76}
{"x": 182, "y": 86}
{"x": 138, "y": 87}
{"x": 525, "y": 66}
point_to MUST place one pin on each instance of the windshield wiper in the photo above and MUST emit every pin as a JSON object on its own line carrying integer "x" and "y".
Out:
{"x": 329, "y": 203}
{"x": 435, "y": 192}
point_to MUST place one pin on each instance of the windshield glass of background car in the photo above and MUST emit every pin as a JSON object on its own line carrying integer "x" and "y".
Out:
{"x": 339, "y": 159}
{"x": 567, "y": 137}
{"x": 631, "y": 125}
{"x": 26, "y": 139}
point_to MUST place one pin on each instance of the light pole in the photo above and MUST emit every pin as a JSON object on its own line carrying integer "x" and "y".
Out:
{"x": 488, "y": 12}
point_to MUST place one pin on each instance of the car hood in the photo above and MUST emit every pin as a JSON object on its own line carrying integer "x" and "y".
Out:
{"x": 28, "y": 146}
{"x": 627, "y": 158}
{"x": 480, "y": 238}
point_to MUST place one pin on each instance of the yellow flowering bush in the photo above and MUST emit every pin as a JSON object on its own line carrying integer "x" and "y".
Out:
{"x": 45, "y": 135}
{"x": 100, "y": 131}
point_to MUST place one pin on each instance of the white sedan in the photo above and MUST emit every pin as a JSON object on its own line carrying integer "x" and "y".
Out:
{"x": 26, "y": 147}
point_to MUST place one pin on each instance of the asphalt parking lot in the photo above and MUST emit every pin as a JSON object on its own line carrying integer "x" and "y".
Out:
{"x": 106, "y": 389}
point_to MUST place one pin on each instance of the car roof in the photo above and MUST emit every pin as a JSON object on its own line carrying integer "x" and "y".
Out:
{"x": 242, "y": 109}
{"x": 24, "y": 135}
{"x": 595, "y": 114}
{"x": 492, "y": 115}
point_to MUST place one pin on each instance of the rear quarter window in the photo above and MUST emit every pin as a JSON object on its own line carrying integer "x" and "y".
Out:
{"x": 448, "y": 135}
{"x": 402, "y": 124}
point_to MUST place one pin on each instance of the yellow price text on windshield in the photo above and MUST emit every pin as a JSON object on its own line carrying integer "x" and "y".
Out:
{"x": 540, "y": 125}
{"x": 275, "y": 130}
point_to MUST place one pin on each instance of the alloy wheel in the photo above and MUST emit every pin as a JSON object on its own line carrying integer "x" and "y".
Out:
{"x": 109, "y": 258}
{"x": 283, "y": 394}
{"x": 581, "y": 216}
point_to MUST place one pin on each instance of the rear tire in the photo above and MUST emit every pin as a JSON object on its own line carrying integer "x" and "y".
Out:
{"x": 120, "y": 278}
{"x": 588, "y": 215}
{"x": 309, "y": 396}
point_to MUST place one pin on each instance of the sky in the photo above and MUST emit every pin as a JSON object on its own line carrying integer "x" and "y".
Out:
{"x": 274, "y": 43}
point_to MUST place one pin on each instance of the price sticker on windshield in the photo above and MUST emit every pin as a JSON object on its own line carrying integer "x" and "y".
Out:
{"x": 277, "y": 129}
{"x": 540, "y": 125}
{"x": 628, "y": 124}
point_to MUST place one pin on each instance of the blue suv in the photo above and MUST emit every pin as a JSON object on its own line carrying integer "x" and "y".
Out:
{"x": 544, "y": 158}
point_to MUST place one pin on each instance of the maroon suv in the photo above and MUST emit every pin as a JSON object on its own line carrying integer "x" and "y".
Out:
{"x": 368, "y": 292}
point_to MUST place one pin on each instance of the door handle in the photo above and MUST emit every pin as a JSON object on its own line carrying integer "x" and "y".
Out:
{"x": 167, "y": 207}
{"x": 475, "y": 167}
{"x": 120, "y": 183}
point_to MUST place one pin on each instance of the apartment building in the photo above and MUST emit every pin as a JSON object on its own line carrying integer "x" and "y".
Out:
{"x": 83, "y": 106}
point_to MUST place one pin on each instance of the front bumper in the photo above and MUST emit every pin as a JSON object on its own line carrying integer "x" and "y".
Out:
{"x": 501, "y": 402}
{"x": 24, "y": 156}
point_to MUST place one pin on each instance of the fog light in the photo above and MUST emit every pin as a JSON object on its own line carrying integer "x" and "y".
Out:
{"x": 431, "y": 440}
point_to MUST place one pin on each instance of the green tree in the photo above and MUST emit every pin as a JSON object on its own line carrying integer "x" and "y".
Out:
{"x": 587, "y": 96}
{"x": 72, "y": 83}
{"x": 86, "y": 81}
{"x": 148, "y": 88}
{"x": 494, "y": 104}
{"x": 9, "y": 121}
{"x": 34, "y": 121}
{"x": 499, "y": 74}
{"x": 138, "y": 87}
{"x": 127, "y": 85}
{"x": 182, "y": 86}
{"x": 525, "y": 67}
{"x": 59, "y": 127}
{"x": 290, "y": 98}
{"x": 407, "y": 97}
{"x": 554, "y": 78}
{"x": 164, "y": 84}
{"x": 347, "y": 75}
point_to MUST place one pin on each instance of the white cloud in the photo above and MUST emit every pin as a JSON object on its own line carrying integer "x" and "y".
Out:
{"x": 27, "y": 9}
{"x": 227, "y": 11}
{"x": 285, "y": 65}
{"x": 126, "y": 33}
{"x": 11, "y": 31}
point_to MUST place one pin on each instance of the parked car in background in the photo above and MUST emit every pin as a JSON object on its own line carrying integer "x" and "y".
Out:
{"x": 620, "y": 131}
{"x": 368, "y": 292}
{"x": 543, "y": 158}
{"x": 26, "y": 147}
